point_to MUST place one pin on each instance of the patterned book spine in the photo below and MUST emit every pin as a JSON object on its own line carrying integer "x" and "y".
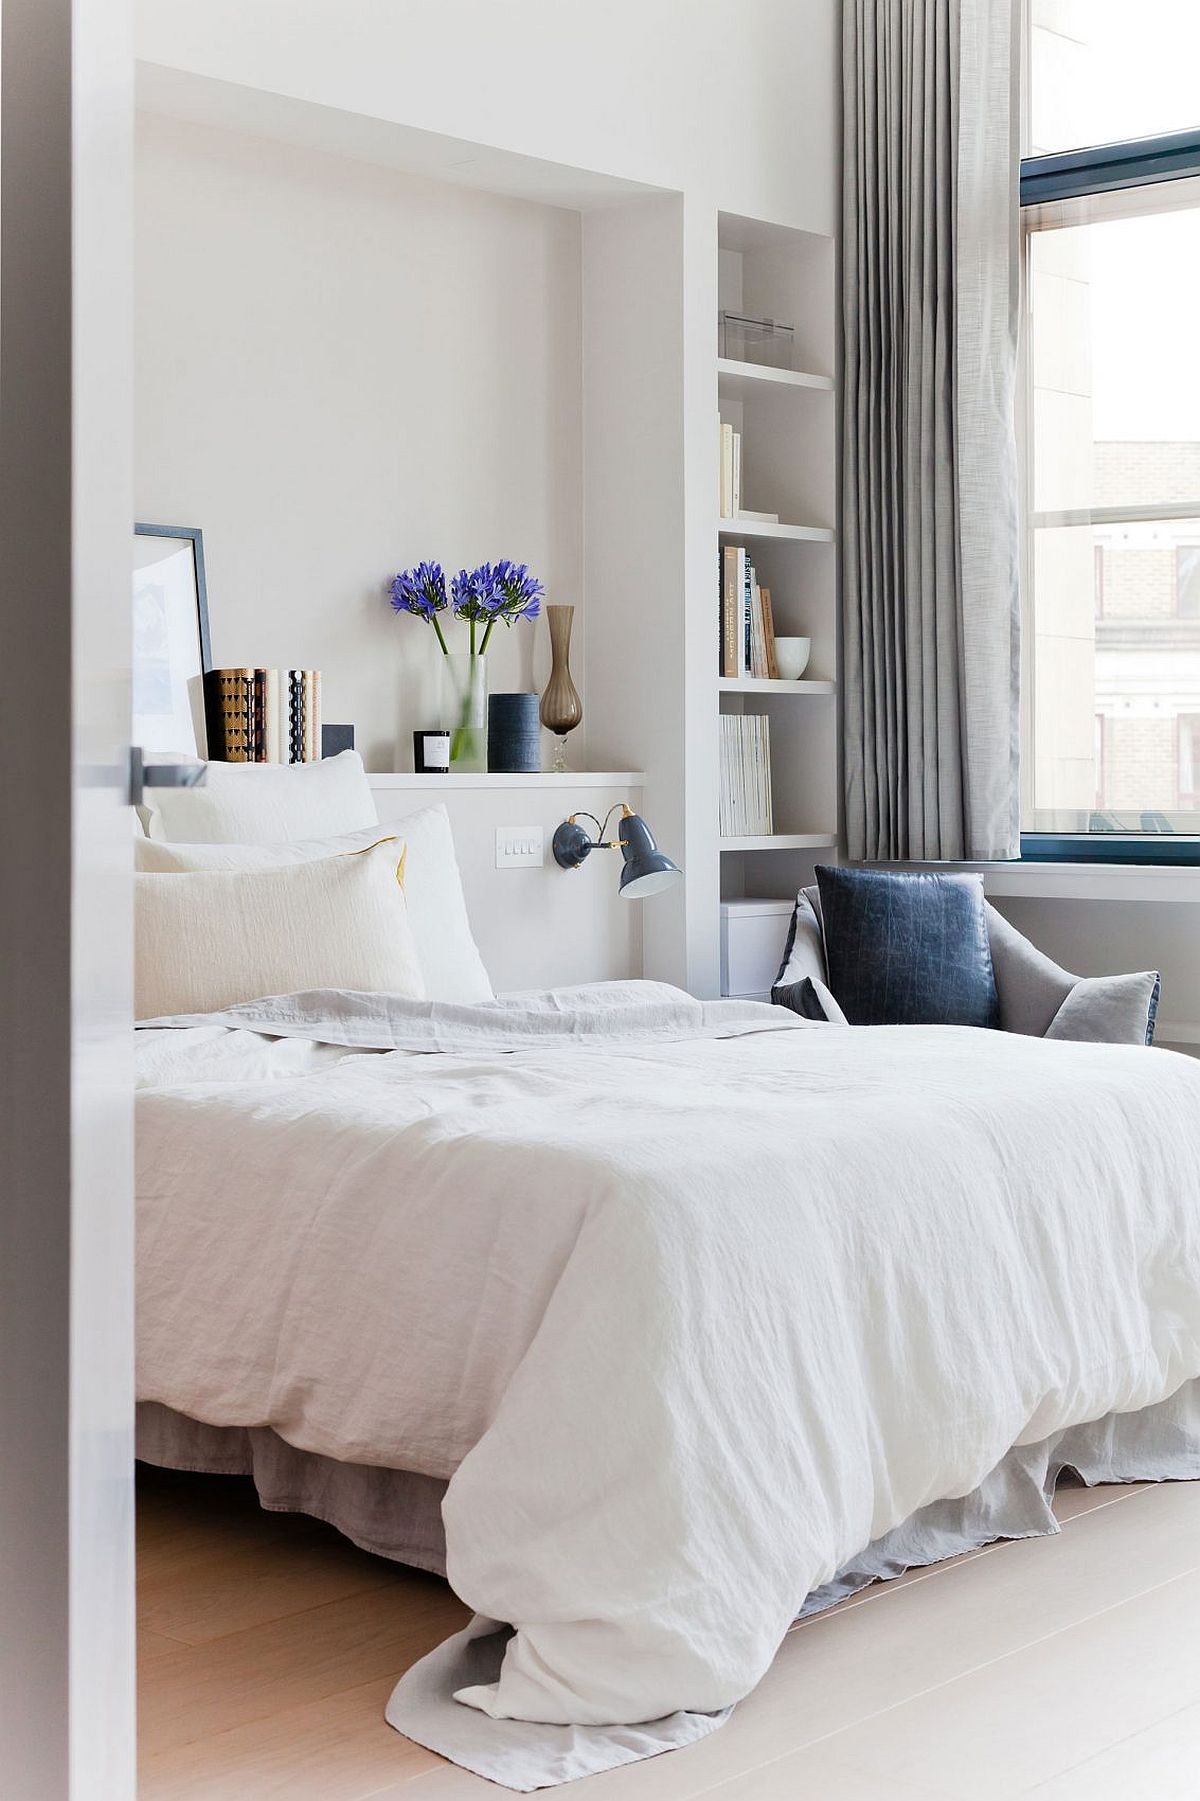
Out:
{"x": 258, "y": 731}
{"x": 295, "y": 717}
{"x": 246, "y": 719}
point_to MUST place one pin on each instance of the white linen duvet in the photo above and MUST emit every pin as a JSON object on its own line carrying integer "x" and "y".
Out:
{"x": 691, "y": 1303}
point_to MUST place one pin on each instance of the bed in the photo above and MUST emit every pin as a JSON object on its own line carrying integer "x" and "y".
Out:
{"x": 655, "y": 1323}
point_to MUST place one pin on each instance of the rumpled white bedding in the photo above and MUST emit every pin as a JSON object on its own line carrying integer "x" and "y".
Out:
{"x": 689, "y": 1319}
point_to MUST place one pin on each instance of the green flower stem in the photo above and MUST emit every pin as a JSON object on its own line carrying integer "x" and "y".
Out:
{"x": 437, "y": 626}
{"x": 487, "y": 634}
{"x": 472, "y": 635}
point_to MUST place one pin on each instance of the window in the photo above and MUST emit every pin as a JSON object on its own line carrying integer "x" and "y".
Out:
{"x": 1187, "y": 581}
{"x": 1112, "y": 428}
{"x": 1189, "y": 760}
{"x": 1103, "y": 70}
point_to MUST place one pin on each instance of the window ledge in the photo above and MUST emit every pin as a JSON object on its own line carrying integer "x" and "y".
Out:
{"x": 1091, "y": 881}
{"x": 1141, "y": 882}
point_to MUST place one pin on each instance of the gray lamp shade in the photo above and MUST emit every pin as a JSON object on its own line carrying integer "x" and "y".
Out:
{"x": 647, "y": 871}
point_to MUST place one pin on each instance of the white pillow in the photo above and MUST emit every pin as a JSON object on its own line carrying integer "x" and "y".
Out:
{"x": 214, "y": 938}
{"x": 265, "y": 803}
{"x": 437, "y": 910}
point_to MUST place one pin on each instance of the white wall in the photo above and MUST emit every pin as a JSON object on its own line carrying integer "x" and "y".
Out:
{"x": 695, "y": 106}
{"x": 341, "y": 369}
{"x": 537, "y": 927}
{"x": 737, "y": 101}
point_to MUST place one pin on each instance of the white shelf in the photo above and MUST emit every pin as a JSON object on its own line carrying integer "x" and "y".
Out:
{"x": 783, "y": 841}
{"x": 740, "y": 379}
{"x": 747, "y": 684}
{"x": 757, "y": 528}
{"x": 572, "y": 779}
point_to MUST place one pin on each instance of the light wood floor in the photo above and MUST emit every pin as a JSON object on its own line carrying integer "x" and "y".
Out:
{"x": 1067, "y": 1669}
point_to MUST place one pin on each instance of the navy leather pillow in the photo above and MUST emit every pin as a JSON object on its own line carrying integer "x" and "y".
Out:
{"x": 908, "y": 950}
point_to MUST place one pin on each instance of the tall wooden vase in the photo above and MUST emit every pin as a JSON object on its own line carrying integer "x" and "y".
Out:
{"x": 561, "y": 709}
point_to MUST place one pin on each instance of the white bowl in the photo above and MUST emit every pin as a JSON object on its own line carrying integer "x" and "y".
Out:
{"x": 791, "y": 655}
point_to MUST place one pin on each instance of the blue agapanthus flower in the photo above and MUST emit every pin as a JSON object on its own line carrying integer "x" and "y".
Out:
{"x": 502, "y": 590}
{"x": 421, "y": 590}
{"x": 473, "y": 593}
{"x": 520, "y": 593}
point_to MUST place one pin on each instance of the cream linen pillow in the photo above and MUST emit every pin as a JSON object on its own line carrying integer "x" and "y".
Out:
{"x": 214, "y": 938}
{"x": 265, "y": 803}
{"x": 437, "y": 908}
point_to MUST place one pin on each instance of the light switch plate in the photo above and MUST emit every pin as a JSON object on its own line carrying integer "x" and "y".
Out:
{"x": 520, "y": 847}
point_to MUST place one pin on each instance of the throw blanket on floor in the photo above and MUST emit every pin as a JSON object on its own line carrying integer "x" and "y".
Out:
{"x": 689, "y": 1316}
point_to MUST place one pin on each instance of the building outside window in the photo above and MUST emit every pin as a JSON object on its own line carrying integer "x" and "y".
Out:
{"x": 1189, "y": 759}
{"x": 1187, "y": 581}
{"x": 1112, "y": 422}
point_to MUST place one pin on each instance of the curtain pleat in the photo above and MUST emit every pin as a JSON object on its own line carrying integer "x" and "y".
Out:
{"x": 931, "y": 653}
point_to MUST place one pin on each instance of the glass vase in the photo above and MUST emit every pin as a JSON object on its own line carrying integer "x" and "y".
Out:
{"x": 561, "y": 709}
{"x": 463, "y": 711}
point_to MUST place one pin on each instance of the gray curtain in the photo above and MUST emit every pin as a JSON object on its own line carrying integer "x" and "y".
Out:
{"x": 930, "y": 271}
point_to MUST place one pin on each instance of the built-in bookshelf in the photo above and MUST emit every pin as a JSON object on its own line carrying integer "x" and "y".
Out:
{"x": 786, "y": 426}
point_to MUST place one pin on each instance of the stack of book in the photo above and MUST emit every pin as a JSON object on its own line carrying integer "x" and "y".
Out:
{"x": 730, "y": 490}
{"x": 745, "y": 794}
{"x": 257, "y": 716}
{"x": 747, "y": 624}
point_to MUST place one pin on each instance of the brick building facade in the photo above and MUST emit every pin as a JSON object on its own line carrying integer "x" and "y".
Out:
{"x": 1147, "y": 632}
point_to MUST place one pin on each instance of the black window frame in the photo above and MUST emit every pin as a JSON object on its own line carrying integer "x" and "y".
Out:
{"x": 1076, "y": 175}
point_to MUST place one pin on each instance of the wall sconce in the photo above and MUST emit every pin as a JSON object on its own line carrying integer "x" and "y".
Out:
{"x": 646, "y": 870}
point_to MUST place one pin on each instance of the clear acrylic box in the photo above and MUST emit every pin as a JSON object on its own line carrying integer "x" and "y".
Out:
{"x": 746, "y": 340}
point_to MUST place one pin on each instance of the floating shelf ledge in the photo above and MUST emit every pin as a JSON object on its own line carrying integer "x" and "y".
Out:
{"x": 784, "y": 841}
{"x": 748, "y": 684}
{"x": 572, "y": 779}
{"x": 758, "y": 528}
{"x": 738, "y": 378}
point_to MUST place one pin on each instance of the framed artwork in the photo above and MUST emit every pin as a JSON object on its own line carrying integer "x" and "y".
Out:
{"x": 170, "y": 640}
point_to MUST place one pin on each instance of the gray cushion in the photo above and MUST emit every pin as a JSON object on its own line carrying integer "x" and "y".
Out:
{"x": 804, "y": 952}
{"x": 908, "y": 949}
{"x": 1109, "y": 1010}
{"x": 1031, "y": 986}
{"x": 811, "y": 999}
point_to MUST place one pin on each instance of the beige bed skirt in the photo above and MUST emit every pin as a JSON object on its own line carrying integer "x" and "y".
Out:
{"x": 394, "y": 1513}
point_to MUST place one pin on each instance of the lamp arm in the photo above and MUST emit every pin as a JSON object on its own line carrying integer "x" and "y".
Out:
{"x": 594, "y": 820}
{"x": 625, "y": 811}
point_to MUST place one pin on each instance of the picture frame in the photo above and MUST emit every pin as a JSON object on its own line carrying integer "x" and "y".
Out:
{"x": 171, "y": 649}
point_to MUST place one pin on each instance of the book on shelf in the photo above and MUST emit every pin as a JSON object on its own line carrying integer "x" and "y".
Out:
{"x": 733, "y": 578}
{"x": 747, "y": 627}
{"x": 730, "y": 490}
{"x": 312, "y": 714}
{"x": 745, "y": 776}
{"x": 295, "y": 716}
{"x": 769, "y": 635}
{"x": 758, "y": 643}
{"x": 255, "y": 716}
{"x": 229, "y": 714}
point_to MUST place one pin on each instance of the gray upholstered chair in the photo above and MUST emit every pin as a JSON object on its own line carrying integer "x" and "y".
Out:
{"x": 1036, "y": 996}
